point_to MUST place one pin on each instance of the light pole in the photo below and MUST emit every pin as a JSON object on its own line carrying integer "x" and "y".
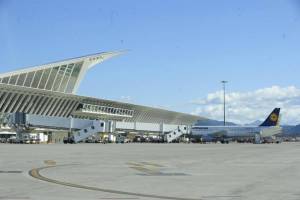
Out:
{"x": 224, "y": 100}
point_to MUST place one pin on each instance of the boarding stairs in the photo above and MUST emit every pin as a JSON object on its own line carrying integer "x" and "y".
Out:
{"x": 94, "y": 128}
{"x": 175, "y": 134}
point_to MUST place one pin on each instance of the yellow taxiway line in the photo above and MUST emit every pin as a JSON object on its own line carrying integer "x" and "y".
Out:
{"x": 35, "y": 173}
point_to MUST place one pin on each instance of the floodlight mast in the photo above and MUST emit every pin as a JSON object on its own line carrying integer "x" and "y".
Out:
{"x": 224, "y": 100}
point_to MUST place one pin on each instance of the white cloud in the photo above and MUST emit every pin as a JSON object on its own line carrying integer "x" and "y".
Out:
{"x": 246, "y": 107}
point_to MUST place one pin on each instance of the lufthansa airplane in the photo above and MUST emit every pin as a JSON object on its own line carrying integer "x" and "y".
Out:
{"x": 268, "y": 128}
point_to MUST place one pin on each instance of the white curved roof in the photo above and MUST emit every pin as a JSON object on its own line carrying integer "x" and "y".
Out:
{"x": 63, "y": 76}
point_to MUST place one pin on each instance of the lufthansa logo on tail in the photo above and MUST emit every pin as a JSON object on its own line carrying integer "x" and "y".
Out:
{"x": 273, "y": 117}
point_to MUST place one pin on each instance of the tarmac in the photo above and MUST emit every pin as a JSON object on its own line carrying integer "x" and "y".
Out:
{"x": 150, "y": 171}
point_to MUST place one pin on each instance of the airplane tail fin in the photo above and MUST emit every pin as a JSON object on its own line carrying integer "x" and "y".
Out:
{"x": 273, "y": 118}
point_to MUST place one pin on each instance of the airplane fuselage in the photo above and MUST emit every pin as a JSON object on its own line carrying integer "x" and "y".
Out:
{"x": 235, "y": 131}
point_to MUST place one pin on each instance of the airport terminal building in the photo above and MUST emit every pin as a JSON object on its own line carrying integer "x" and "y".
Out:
{"x": 47, "y": 94}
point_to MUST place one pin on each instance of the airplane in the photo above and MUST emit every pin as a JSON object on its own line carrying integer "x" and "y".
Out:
{"x": 267, "y": 129}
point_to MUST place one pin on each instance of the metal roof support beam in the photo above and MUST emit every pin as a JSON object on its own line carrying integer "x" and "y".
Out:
{"x": 34, "y": 104}
{"x": 19, "y": 103}
{"x": 58, "y": 107}
{"x": 53, "y": 105}
{"x": 27, "y": 100}
{"x": 13, "y": 103}
{"x": 8, "y": 100}
{"x": 44, "y": 106}
{"x": 41, "y": 103}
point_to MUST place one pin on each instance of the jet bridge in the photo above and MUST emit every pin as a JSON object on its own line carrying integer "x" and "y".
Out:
{"x": 82, "y": 128}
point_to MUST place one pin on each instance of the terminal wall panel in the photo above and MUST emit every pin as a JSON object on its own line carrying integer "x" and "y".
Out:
{"x": 169, "y": 127}
{"x": 147, "y": 126}
{"x": 125, "y": 125}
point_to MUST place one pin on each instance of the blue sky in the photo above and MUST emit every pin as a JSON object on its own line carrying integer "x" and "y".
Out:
{"x": 179, "y": 50}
